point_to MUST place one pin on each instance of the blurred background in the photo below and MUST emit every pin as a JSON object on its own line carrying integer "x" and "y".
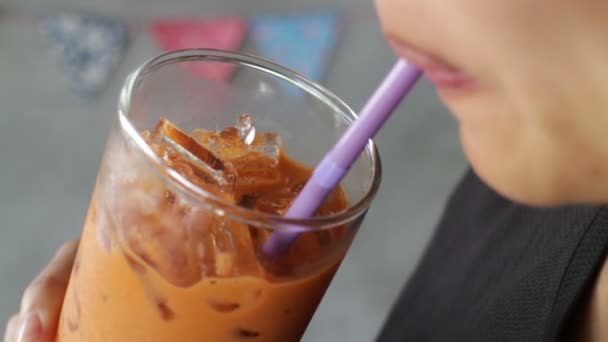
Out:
{"x": 51, "y": 140}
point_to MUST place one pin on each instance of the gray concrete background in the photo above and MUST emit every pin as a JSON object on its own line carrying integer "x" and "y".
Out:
{"x": 50, "y": 146}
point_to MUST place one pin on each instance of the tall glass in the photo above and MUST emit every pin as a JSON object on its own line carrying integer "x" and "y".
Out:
{"x": 164, "y": 259}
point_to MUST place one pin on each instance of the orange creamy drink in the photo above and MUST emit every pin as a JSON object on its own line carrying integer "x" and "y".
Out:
{"x": 151, "y": 267}
{"x": 171, "y": 248}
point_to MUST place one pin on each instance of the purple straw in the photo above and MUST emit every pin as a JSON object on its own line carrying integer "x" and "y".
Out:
{"x": 334, "y": 166}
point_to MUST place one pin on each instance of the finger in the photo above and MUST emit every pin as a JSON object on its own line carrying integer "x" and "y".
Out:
{"x": 10, "y": 335}
{"x": 30, "y": 328}
{"x": 42, "y": 301}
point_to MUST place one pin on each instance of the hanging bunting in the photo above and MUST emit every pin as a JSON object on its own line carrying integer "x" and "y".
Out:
{"x": 302, "y": 42}
{"x": 88, "y": 48}
{"x": 224, "y": 33}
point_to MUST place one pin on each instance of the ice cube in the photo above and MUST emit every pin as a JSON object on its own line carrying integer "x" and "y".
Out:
{"x": 254, "y": 155}
{"x": 234, "y": 298}
{"x": 175, "y": 238}
{"x": 184, "y": 244}
{"x": 246, "y": 128}
{"x": 223, "y": 306}
{"x": 269, "y": 144}
{"x": 240, "y": 140}
{"x": 223, "y": 246}
{"x": 192, "y": 159}
{"x": 274, "y": 205}
{"x": 224, "y": 264}
{"x": 163, "y": 244}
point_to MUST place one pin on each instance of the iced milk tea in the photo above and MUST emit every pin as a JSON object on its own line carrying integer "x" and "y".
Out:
{"x": 153, "y": 265}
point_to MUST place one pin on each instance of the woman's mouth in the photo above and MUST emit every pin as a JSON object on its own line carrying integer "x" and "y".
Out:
{"x": 445, "y": 76}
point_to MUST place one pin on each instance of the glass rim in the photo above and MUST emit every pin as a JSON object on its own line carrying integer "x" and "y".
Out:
{"x": 213, "y": 202}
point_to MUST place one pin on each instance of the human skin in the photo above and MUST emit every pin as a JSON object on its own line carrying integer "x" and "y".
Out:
{"x": 526, "y": 81}
{"x": 531, "y": 96}
{"x": 38, "y": 316}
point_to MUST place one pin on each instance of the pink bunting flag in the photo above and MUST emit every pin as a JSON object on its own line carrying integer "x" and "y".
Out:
{"x": 225, "y": 33}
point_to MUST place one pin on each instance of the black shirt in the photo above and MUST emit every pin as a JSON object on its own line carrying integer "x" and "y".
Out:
{"x": 499, "y": 271}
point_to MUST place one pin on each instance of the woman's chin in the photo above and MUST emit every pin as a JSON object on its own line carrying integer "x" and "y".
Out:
{"x": 514, "y": 175}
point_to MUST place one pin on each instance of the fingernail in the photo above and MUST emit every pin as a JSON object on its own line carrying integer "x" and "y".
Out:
{"x": 31, "y": 328}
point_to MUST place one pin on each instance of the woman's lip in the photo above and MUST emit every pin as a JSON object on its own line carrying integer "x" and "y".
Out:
{"x": 442, "y": 74}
